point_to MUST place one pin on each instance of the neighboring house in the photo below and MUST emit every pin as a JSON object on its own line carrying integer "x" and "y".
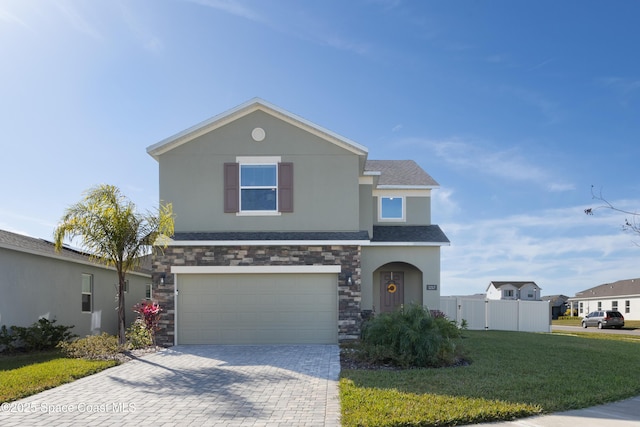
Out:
{"x": 285, "y": 232}
{"x": 526, "y": 291}
{"x": 558, "y": 304}
{"x": 37, "y": 282}
{"x": 622, "y": 296}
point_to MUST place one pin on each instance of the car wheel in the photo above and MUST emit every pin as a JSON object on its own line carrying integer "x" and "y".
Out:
{"x": 584, "y": 324}
{"x": 599, "y": 325}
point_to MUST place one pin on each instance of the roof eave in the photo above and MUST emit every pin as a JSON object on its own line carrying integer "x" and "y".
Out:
{"x": 241, "y": 110}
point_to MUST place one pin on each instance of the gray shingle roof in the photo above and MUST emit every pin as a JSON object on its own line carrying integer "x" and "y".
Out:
{"x": 33, "y": 245}
{"x": 22, "y": 243}
{"x": 400, "y": 172}
{"x": 409, "y": 233}
{"x": 619, "y": 288}
{"x": 268, "y": 235}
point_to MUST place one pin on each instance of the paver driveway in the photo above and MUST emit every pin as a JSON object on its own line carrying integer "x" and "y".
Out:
{"x": 197, "y": 385}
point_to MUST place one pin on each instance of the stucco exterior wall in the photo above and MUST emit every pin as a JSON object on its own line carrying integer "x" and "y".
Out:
{"x": 325, "y": 179}
{"x": 418, "y": 210}
{"x": 36, "y": 286}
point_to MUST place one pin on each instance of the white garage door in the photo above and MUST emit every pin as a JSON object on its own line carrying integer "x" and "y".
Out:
{"x": 257, "y": 309}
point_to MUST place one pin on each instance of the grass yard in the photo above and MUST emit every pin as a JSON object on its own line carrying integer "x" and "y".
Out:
{"x": 512, "y": 374}
{"x": 26, "y": 374}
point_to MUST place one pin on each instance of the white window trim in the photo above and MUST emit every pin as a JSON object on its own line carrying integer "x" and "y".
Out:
{"x": 253, "y": 160}
{"x": 404, "y": 209}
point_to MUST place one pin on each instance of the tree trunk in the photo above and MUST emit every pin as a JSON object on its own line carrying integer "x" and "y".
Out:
{"x": 121, "y": 315}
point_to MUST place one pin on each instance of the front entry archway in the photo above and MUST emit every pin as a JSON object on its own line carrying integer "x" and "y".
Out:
{"x": 394, "y": 284}
{"x": 391, "y": 290}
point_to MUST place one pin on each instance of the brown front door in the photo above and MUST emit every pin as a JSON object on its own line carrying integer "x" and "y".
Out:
{"x": 391, "y": 290}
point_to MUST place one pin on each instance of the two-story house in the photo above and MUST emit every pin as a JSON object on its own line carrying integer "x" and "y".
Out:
{"x": 514, "y": 291}
{"x": 285, "y": 232}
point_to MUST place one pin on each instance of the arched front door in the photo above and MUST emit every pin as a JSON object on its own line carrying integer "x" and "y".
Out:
{"x": 391, "y": 290}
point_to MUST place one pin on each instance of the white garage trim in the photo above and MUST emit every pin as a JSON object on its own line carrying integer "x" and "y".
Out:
{"x": 257, "y": 269}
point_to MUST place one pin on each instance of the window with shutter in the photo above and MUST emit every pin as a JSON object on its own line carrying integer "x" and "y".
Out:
{"x": 255, "y": 187}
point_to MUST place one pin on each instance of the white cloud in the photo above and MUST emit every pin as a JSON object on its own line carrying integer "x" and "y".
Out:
{"x": 563, "y": 250}
{"x": 313, "y": 30}
{"x": 11, "y": 18}
{"x": 232, "y": 7}
{"x": 560, "y": 187}
{"x": 77, "y": 20}
{"x": 443, "y": 202}
{"x": 508, "y": 164}
{"x": 548, "y": 108}
{"x": 149, "y": 41}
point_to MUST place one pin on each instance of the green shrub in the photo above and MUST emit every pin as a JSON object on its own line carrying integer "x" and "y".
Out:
{"x": 138, "y": 336}
{"x": 96, "y": 347}
{"x": 41, "y": 335}
{"x": 411, "y": 337}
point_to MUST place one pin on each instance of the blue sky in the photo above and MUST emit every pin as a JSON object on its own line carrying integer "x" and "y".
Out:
{"x": 515, "y": 108}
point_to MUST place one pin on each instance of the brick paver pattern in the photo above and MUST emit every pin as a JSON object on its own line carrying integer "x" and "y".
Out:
{"x": 258, "y": 386}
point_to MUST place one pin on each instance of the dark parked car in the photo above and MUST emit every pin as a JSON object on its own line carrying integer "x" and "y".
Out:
{"x": 604, "y": 319}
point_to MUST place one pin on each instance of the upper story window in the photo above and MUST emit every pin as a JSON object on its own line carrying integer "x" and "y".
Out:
{"x": 258, "y": 187}
{"x": 392, "y": 209}
{"x": 507, "y": 293}
{"x": 87, "y": 293}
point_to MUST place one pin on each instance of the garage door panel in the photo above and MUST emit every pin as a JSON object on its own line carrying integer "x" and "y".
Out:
{"x": 257, "y": 309}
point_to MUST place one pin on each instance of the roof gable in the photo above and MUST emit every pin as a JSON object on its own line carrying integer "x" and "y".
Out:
{"x": 255, "y": 104}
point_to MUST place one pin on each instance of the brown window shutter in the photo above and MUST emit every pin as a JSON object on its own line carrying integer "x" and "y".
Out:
{"x": 285, "y": 187}
{"x": 231, "y": 187}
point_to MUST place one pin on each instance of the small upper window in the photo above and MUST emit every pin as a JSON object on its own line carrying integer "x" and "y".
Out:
{"x": 148, "y": 292}
{"x": 258, "y": 187}
{"x": 391, "y": 208}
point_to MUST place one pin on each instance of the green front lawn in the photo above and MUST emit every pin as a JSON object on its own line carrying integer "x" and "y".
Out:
{"x": 512, "y": 374}
{"x": 27, "y": 374}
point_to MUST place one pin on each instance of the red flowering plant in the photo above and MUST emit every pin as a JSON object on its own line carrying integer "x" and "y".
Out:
{"x": 149, "y": 313}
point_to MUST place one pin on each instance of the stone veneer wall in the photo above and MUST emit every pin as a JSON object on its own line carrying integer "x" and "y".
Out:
{"x": 347, "y": 256}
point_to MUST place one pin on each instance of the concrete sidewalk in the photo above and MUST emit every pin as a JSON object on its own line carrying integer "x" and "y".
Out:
{"x": 259, "y": 386}
{"x": 625, "y": 413}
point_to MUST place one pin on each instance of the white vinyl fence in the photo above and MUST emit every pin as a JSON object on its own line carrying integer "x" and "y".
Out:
{"x": 503, "y": 315}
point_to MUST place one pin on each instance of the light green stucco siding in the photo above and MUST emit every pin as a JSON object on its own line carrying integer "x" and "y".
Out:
{"x": 36, "y": 286}
{"x": 418, "y": 211}
{"x": 325, "y": 179}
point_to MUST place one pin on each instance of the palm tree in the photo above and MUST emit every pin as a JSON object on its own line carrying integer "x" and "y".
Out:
{"x": 114, "y": 234}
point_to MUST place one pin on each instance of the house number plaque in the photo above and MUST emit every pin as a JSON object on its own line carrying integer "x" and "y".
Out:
{"x": 432, "y": 287}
